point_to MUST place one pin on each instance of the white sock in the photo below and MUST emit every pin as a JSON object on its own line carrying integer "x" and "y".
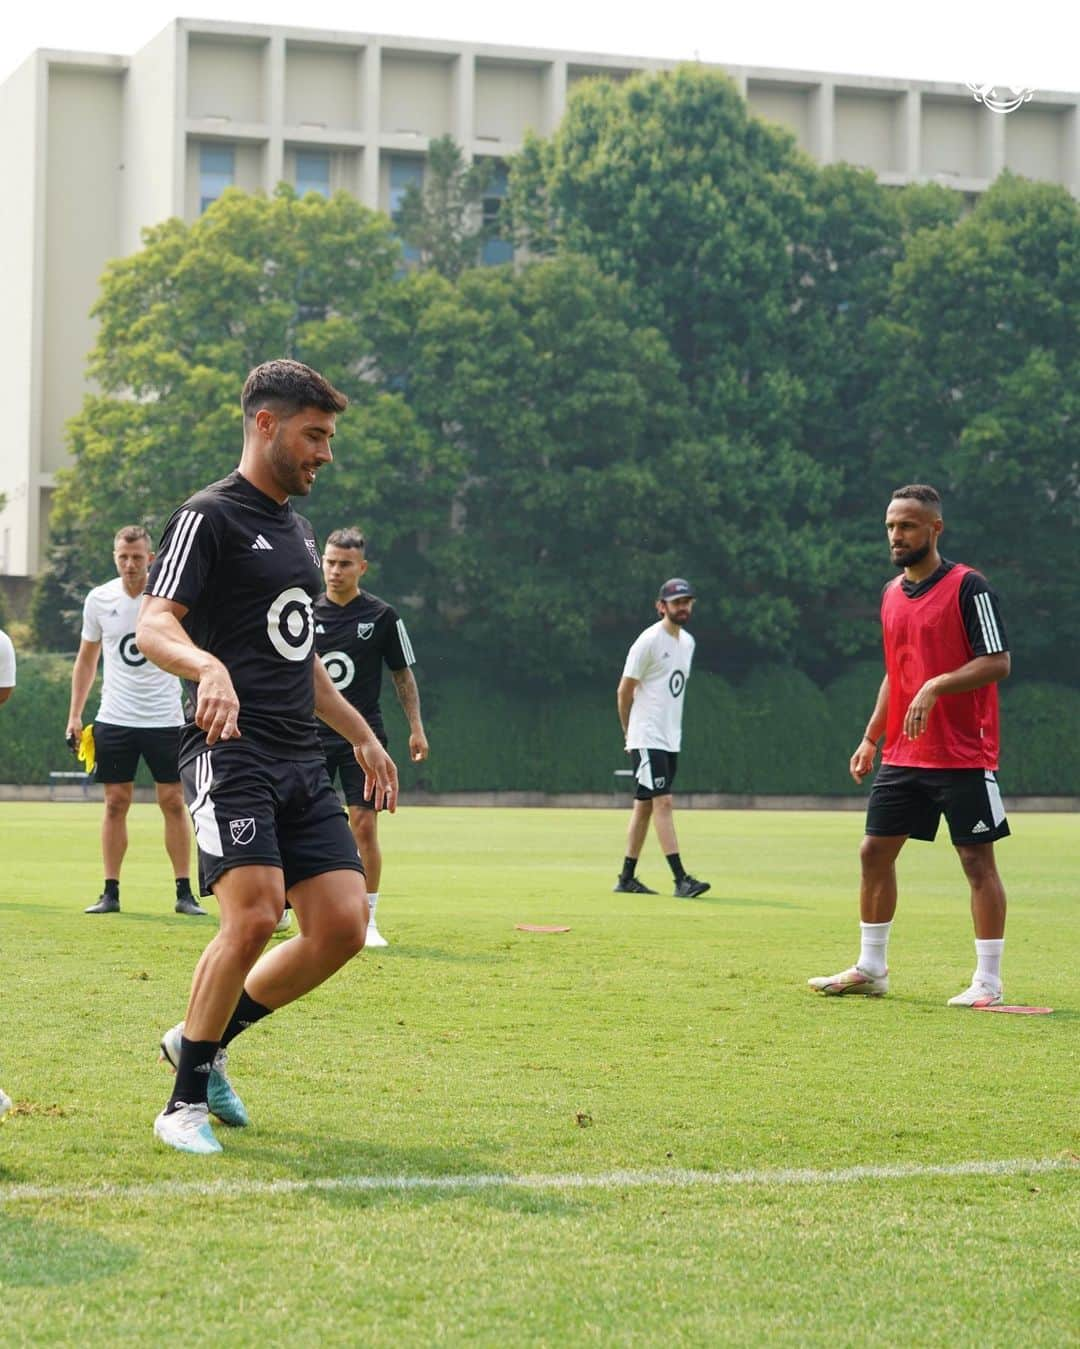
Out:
{"x": 372, "y": 899}
{"x": 988, "y": 961}
{"x": 875, "y": 941}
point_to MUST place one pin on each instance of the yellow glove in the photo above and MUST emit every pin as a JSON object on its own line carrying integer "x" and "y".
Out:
{"x": 86, "y": 753}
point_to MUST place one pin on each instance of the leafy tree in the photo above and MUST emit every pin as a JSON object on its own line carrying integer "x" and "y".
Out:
{"x": 55, "y": 608}
{"x": 443, "y": 220}
{"x": 981, "y": 396}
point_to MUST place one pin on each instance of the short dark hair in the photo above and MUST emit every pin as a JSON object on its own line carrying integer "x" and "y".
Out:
{"x": 286, "y": 387}
{"x": 350, "y": 536}
{"x": 132, "y": 534}
{"x": 920, "y": 491}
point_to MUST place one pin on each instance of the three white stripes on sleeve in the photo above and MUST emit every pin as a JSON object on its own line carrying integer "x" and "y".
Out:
{"x": 988, "y": 622}
{"x": 176, "y": 555}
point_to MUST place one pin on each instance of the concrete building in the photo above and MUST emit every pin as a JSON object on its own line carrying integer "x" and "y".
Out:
{"x": 96, "y": 147}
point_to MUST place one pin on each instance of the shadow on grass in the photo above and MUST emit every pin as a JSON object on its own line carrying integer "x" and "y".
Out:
{"x": 403, "y": 951}
{"x": 39, "y": 1254}
{"x": 177, "y": 920}
{"x": 741, "y": 902}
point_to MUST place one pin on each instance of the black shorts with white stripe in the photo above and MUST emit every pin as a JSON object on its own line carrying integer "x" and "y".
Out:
{"x": 911, "y": 802}
{"x": 654, "y": 772}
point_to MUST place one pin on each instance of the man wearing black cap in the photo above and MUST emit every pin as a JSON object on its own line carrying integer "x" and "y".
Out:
{"x": 650, "y": 705}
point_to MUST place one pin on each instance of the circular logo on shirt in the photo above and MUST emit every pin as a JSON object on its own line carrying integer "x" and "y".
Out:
{"x": 289, "y": 624}
{"x": 129, "y": 652}
{"x": 676, "y": 683}
{"x": 340, "y": 668}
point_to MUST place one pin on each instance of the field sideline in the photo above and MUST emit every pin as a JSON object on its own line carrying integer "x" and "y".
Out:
{"x": 643, "y": 1131}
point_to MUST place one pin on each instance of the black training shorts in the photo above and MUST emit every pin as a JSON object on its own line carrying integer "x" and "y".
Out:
{"x": 654, "y": 772}
{"x": 912, "y": 801}
{"x": 117, "y": 750}
{"x": 252, "y": 810}
{"x": 341, "y": 762}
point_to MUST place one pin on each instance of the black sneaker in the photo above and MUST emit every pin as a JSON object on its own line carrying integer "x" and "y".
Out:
{"x": 106, "y": 904}
{"x": 632, "y": 887}
{"x": 189, "y": 904}
{"x": 689, "y": 888}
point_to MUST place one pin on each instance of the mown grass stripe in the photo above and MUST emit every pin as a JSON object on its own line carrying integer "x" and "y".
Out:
{"x": 224, "y": 1188}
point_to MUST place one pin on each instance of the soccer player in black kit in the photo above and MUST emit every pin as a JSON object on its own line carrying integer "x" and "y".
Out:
{"x": 228, "y": 608}
{"x": 356, "y": 633}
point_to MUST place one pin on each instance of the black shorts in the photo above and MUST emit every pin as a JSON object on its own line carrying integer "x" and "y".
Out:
{"x": 251, "y": 810}
{"x": 654, "y": 772}
{"x": 117, "y": 750}
{"x": 912, "y": 801}
{"x": 341, "y": 763}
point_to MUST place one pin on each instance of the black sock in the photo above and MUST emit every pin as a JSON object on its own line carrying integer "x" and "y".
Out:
{"x": 674, "y": 861}
{"x": 248, "y": 1011}
{"x": 183, "y": 887}
{"x": 193, "y": 1073}
{"x": 112, "y": 890}
{"x": 628, "y": 866}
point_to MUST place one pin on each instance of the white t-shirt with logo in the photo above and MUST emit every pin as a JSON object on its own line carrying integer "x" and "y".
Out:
{"x": 7, "y": 661}
{"x": 134, "y": 692}
{"x": 661, "y": 664}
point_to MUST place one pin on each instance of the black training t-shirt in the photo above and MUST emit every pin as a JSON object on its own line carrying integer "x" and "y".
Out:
{"x": 248, "y": 570}
{"x": 355, "y": 640}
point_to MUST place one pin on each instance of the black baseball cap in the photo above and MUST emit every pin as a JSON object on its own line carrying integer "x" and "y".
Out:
{"x": 676, "y": 589}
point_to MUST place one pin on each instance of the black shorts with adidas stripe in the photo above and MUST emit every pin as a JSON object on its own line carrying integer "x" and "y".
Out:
{"x": 911, "y": 801}
{"x": 654, "y": 772}
{"x": 249, "y": 809}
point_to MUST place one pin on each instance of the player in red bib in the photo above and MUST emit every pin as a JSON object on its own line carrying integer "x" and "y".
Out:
{"x": 945, "y": 651}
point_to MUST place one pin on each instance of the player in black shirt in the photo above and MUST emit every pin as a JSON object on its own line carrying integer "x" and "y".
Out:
{"x": 228, "y": 609}
{"x": 356, "y": 634}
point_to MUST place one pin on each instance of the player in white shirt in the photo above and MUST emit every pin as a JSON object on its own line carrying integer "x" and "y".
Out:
{"x": 7, "y": 685}
{"x": 140, "y": 716}
{"x": 650, "y": 702}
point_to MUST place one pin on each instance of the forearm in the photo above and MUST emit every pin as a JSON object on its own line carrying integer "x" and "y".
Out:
{"x": 408, "y": 696}
{"x": 162, "y": 639}
{"x": 82, "y": 681}
{"x": 975, "y": 674}
{"x": 624, "y": 701}
{"x": 880, "y": 715}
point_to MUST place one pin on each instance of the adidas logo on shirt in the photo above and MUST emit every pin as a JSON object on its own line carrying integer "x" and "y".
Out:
{"x": 260, "y": 542}
{"x": 981, "y": 828}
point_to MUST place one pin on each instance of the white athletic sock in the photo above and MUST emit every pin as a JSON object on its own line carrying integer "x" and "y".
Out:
{"x": 988, "y": 961}
{"x": 372, "y": 899}
{"x": 875, "y": 941}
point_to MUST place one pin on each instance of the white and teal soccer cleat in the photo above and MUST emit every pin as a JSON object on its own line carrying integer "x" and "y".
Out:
{"x": 187, "y": 1129}
{"x": 220, "y": 1095}
{"x": 853, "y": 980}
{"x": 374, "y": 936}
{"x": 978, "y": 995}
{"x": 5, "y": 1103}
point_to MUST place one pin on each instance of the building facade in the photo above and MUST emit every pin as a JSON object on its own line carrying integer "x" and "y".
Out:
{"x": 103, "y": 146}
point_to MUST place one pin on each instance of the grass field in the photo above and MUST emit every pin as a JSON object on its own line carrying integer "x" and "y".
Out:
{"x": 639, "y": 1132}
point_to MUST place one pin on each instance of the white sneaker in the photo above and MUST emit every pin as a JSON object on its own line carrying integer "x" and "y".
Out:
{"x": 374, "y": 936}
{"x": 5, "y": 1103}
{"x": 187, "y": 1129}
{"x": 284, "y": 922}
{"x": 853, "y": 980}
{"x": 978, "y": 995}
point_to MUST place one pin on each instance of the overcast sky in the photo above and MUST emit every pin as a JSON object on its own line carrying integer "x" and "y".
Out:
{"x": 1028, "y": 43}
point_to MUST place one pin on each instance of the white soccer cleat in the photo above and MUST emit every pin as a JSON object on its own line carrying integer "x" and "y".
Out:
{"x": 374, "y": 936}
{"x": 853, "y": 980}
{"x": 187, "y": 1129}
{"x": 978, "y": 995}
{"x": 284, "y": 922}
{"x": 5, "y": 1103}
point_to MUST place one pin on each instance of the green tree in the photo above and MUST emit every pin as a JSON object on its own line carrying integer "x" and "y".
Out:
{"x": 443, "y": 219}
{"x": 981, "y": 396}
{"x": 180, "y": 324}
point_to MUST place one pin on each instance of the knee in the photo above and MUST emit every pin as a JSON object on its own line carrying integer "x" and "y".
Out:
{"x": 116, "y": 807}
{"x": 349, "y": 931}
{"x": 978, "y": 863}
{"x": 173, "y": 806}
{"x": 876, "y": 853}
{"x": 662, "y": 805}
{"x": 252, "y": 931}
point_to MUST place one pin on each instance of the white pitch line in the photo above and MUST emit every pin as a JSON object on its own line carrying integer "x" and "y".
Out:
{"x": 465, "y": 1184}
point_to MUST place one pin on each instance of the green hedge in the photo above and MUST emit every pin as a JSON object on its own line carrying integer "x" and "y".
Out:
{"x": 777, "y": 733}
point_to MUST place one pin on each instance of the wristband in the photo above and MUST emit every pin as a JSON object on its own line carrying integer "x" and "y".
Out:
{"x": 870, "y": 742}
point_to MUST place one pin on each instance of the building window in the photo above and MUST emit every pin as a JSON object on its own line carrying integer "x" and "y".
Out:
{"x": 495, "y": 250}
{"x": 405, "y": 172}
{"x": 312, "y": 172}
{"x": 217, "y": 171}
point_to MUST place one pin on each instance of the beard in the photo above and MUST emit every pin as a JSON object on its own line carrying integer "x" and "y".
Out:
{"x": 290, "y": 476}
{"x": 912, "y": 557}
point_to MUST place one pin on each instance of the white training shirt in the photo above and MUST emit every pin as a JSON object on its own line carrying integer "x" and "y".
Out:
{"x": 7, "y": 661}
{"x": 134, "y": 692}
{"x": 661, "y": 664}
